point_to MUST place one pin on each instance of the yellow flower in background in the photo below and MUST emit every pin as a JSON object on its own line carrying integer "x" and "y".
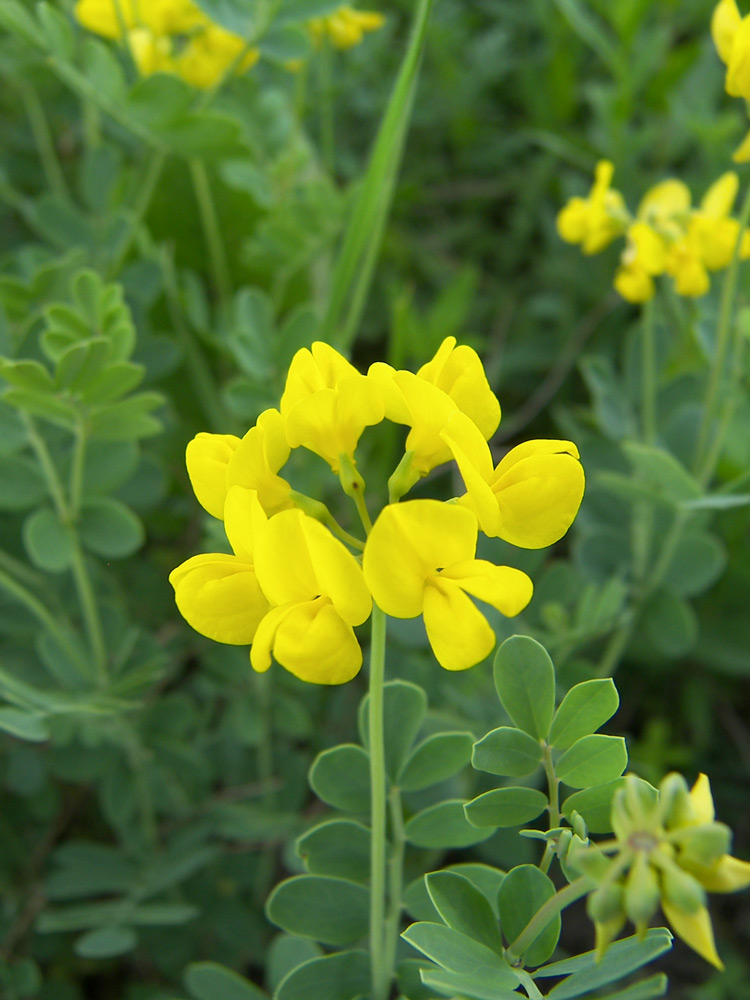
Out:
{"x": 597, "y": 220}
{"x": 217, "y": 593}
{"x": 345, "y": 27}
{"x": 530, "y": 498}
{"x": 327, "y": 404}
{"x": 420, "y": 559}
{"x": 160, "y": 17}
{"x": 731, "y": 35}
{"x": 210, "y": 53}
{"x": 644, "y": 257}
{"x": 317, "y": 593}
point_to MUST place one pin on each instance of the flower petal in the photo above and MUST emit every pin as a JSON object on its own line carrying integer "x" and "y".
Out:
{"x": 459, "y": 633}
{"x": 474, "y": 460}
{"x": 207, "y": 457}
{"x": 257, "y": 460}
{"x": 338, "y": 573}
{"x": 695, "y": 930}
{"x": 507, "y": 589}
{"x": 727, "y": 875}
{"x": 459, "y": 372}
{"x": 313, "y": 643}
{"x": 701, "y": 800}
{"x": 725, "y": 23}
{"x": 243, "y": 518}
{"x": 219, "y": 595}
{"x": 282, "y": 560}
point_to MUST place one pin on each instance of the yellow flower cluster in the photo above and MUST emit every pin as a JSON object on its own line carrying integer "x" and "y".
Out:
{"x": 176, "y": 37}
{"x": 294, "y": 591}
{"x": 668, "y": 851}
{"x": 731, "y": 35}
{"x": 667, "y": 235}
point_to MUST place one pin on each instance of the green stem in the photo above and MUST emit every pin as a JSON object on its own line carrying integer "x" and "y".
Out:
{"x": 726, "y": 307}
{"x": 553, "y": 786}
{"x": 76, "y": 471}
{"x": 648, "y": 373}
{"x": 381, "y": 975}
{"x": 327, "y": 126}
{"x": 141, "y": 205}
{"x": 544, "y": 914}
{"x": 43, "y": 139}
{"x": 396, "y": 878}
{"x": 211, "y": 230}
{"x": 532, "y": 990}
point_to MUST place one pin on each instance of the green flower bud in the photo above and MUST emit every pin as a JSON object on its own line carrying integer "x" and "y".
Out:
{"x": 641, "y": 897}
{"x": 563, "y": 843}
{"x": 675, "y": 808}
{"x": 605, "y": 904}
{"x": 606, "y": 932}
{"x": 705, "y": 844}
{"x": 588, "y": 860}
{"x": 579, "y": 825}
{"x": 681, "y": 890}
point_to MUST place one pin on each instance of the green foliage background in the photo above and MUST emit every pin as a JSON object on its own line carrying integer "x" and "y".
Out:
{"x": 152, "y": 787}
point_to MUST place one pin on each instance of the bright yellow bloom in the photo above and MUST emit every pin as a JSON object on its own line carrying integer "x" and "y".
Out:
{"x": 151, "y": 53}
{"x": 217, "y": 461}
{"x": 317, "y": 593}
{"x": 210, "y": 53}
{"x": 345, "y": 27}
{"x": 161, "y": 17}
{"x": 644, "y": 256}
{"x": 219, "y": 594}
{"x": 419, "y": 559}
{"x": 327, "y": 404}
{"x": 597, "y": 220}
{"x": 459, "y": 372}
{"x": 742, "y": 153}
{"x": 731, "y": 34}
{"x": 530, "y": 498}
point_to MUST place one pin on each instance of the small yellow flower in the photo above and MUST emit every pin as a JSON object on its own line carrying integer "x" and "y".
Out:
{"x": 644, "y": 257}
{"x": 530, "y": 498}
{"x": 327, "y": 404}
{"x": 597, "y": 220}
{"x": 731, "y": 34}
{"x": 420, "y": 559}
{"x": 346, "y": 26}
{"x": 209, "y": 55}
{"x": 160, "y": 17}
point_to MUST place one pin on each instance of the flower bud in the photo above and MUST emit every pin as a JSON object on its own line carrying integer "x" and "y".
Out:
{"x": 579, "y": 825}
{"x": 641, "y": 897}
{"x": 675, "y": 808}
{"x": 587, "y": 859}
{"x": 606, "y": 932}
{"x": 681, "y": 890}
{"x": 605, "y": 904}
{"x": 705, "y": 844}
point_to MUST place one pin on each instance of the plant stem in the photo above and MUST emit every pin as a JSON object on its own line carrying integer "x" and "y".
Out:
{"x": 553, "y": 785}
{"x": 43, "y": 139}
{"x": 211, "y": 230}
{"x": 396, "y": 877}
{"x": 722, "y": 343}
{"x": 381, "y": 975}
{"x": 648, "y": 373}
{"x": 544, "y": 914}
{"x": 141, "y": 204}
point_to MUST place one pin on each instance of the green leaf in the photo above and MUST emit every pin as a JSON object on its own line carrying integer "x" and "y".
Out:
{"x": 506, "y": 807}
{"x": 106, "y": 942}
{"x": 27, "y": 375}
{"x": 585, "y": 708}
{"x": 338, "y": 847}
{"x": 404, "y": 709}
{"x": 593, "y": 760}
{"x": 698, "y": 561}
{"x": 285, "y": 42}
{"x": 340, "y": 777}
{"x": 16, "y": 19}
{"x": 110, "y": 529}
{"x": 127, "y": 419}
{"x": 594, "y": 805}
{"x": 438, "y": 757}
{"x": 620, "y": 959}
{"x": 58, "y": 411}
{"x": 670, "y": 624}
{"x": 662, "y": 473}
{"x": 467, "y": 985}
{"x": 47, "y": 541}
{"x": 444, "y": 825}
{"x": 342, "y": 976}
{"x": 458, "y": 953}
{"x": 21, "y": 483}
{"x": 24, "y": 725}
{"x": 211, "y": 981}
{"x": 111, "y": 384}
{"x": 523, "y": 892}
{"x": 13, "y": 433}
{"x": 507, "y": 751}
{"x": 331, "y": 910}
{"x": 463, "y": 907}
{"x": 286, "y": 953}
{"x": 525, "y": 682}
{"x": 647, "y": 989}
{"x": 57, "y": 31}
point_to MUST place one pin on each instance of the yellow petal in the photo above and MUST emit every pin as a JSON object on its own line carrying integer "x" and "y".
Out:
{"x": 635, "y": 284}
{"x": 257, "y": 459}
{"x": 646, "y": 249}
{"x": 505, "y": 588}
{"x": 695, "y": 930}
{"x": 738, "y": 69}
{"x": 742, "y": 153}
{"x": 701, "y": 800}
{"x": 338, "y": 573}
{"x": 474, "y": 460}
{"x": 429, "y": 410}
{"x": 459, "y": 633}
{"x": 718, "y": 200}
{"x": 459, "y": 372}
{"x": 572, "y": 221}
{"x": 282, "y": 560}
{"x": 727, "y": 875}
{"x": 207, "y": 457}
{"x": 408, "y": 543}
{"x": 538, "y": 488}
{"x": 311, "y": 641}
{"x": 260, "y": 652}
{"x": 663, "y": 202}
{"x": 220, "y": 597}
{"x": 243, "y": 516}
{"x": 725, "y": 23}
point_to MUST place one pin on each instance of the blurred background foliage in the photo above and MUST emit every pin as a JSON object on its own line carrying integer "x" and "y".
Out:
{"x": 184, "y": 244}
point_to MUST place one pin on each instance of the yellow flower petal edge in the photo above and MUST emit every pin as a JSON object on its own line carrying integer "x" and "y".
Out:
{"x": 695, "y": 930}
{"x": 257, "y": 459}
{"x": 459, "y": 372}
{"x": 207, "y": 458}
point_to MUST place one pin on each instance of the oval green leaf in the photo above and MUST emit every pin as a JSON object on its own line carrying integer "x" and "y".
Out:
{"x": 342, "y": 976}
{"x": 404, "y": 709}
{"x": 106, "y": 942}
{"x": 339, "y": 847}
{"x": 341, "y": 777}
{"x": 506, "y": 807}
{"x": 524, "y": 891}
{"x": 438, "y": 757}
{"x": 507, "y": 751}
{"x": 463, "y": 907}
{"x": 593, "y": 760}
{"x": 110, "y": 529}
{"x": 444, "y": 825}
{"x": 209, "y": 980}
{"x": 525, "y": 682}
{"x": 331, "y": 910}
{"x": 585, "y": 708}
{"x": 47, "y": 541}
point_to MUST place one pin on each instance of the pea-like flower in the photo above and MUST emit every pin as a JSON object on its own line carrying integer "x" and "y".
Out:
{"x": 317, "y": 593}
{"x": 731, "y": 35}
{"x": 345, "y": 26}
{"x": 668, "y": 851}
{"x": 420, "y": 559}
{"x": 327, "y": 404}
{"x": 530, "y": 498}
{"x": 215, "y": 462}
{"x": 598, "y": 219}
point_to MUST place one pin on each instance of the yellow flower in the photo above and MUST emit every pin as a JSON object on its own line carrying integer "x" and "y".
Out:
{"x": 597, "y": 220}
{"x": 219, "y": 594}
{"x": 317, "y": 593}
{"x": 327, "y": 404}
{"x": 161, "y": 17}
{"x": 151, "y": 53}
{"x": 209, "y": 55}
{"x": 345, "y": 27}
{"x": 731, "y": 34}
{"x": 217, "y": 461}
{"x": 530, "y": 498}
{"x": 644, "y": 256}
{"x": 459, "y": 372}
{"x": 419, "y": 559}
